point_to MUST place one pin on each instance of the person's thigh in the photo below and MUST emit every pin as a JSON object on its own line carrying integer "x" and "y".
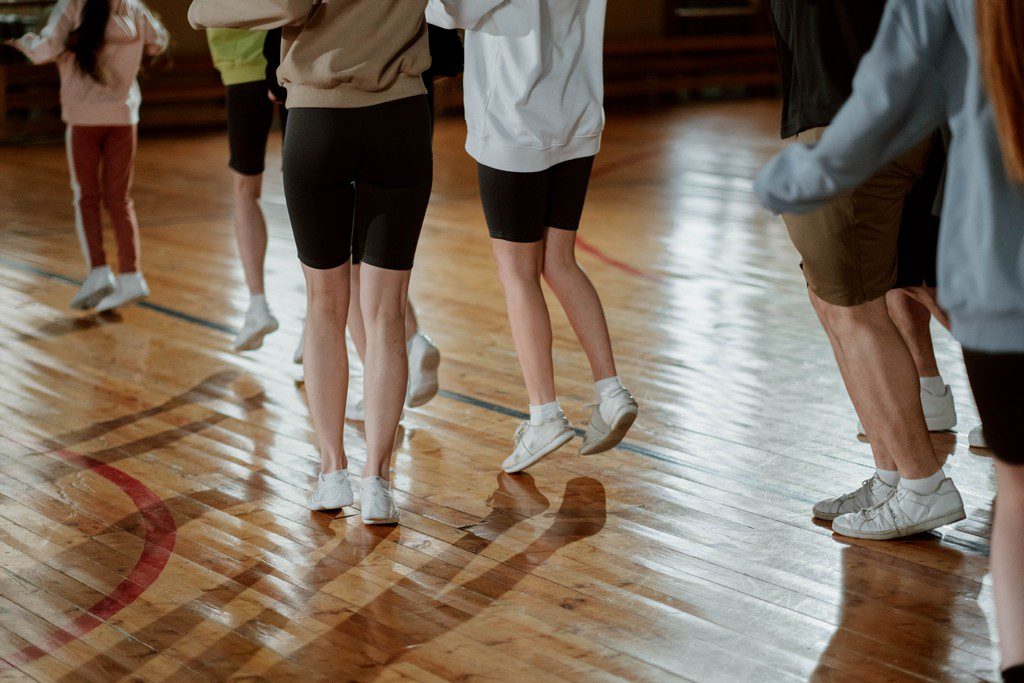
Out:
{"x": 118, "y": 162}
{"x": 849, "y": 246}
{"x": 318, "y": 187}
{"x": 393, "y": 181}
{"x": 567, "y": 193}
{"x": 995, "y": 379}
{"x": 514, "y": 204}
{"x": 250, "y": 117}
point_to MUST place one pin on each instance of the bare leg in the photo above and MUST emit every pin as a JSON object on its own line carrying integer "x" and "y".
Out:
{"x": 579, "y": 299}
{"x": 1008, "y": 562}
{"x": 250, "y": 229}
{"x": 356, "y": 327}
{"x": 883, "y": 384}
{"x": 519, "y": 268}
{"x": 383, "y": 300}
{"x": 913, "y": 320}
{"x": 326, "y": 360}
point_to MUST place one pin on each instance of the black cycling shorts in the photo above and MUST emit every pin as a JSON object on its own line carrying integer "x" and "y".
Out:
{"x": 995, "y": 381}
{"x": 250, "y": 117}
{"x": 519, "y": 206}
{"x": 358, "y": 181}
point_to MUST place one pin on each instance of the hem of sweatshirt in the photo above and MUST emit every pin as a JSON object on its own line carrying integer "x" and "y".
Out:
{"x": 530, "y": 159}
{"x": 989, "y": 332}
{"x": 239, "y": 74}
{"x": 347, "y": 96}
{"x": 101, "y": 115}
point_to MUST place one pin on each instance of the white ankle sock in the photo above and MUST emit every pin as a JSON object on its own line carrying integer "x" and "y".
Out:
{"x": 935, "y": 386}
{"x": 890, "y": 477}
{"x": 923, "y": 486}
{"x": 545, "y": 413}
{"x": 603, "y": 387}
{"x": 257, "y": 301}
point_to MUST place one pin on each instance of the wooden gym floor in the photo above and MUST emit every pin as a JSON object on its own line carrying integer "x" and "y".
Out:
{"x": 151, "y": 499}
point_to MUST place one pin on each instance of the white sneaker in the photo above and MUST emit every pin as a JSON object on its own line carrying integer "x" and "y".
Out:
{"x": 333, "y": 492}
{"x": 871, "y": 493}
{"x": 905, "y": 513}
{"x": 98, "y": 284}
{"x": 939, "y": 411}
{"x": 258, "y": 324}
{"x": 131, "y": 288}
{"x": 533, "y": 442}
{"x": 424, "y": 359}
{"x": 300, "y": 350}
{"x": 976, "y": 439}
{"x": 609, "y": 422}
{"x": 377, "y": 501}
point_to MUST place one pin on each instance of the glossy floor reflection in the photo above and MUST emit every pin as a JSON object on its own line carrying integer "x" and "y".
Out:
{"x": 153, "y": 484}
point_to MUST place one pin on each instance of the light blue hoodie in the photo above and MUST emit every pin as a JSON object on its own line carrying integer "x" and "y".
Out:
{"x": 924, "y": 69}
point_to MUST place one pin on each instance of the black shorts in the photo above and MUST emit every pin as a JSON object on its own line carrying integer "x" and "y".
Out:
{"x": 358, "y": 181}
{"x": 995, "y": 380}
{"x": 250, "y": 117}
{"x": 519, "y": 206}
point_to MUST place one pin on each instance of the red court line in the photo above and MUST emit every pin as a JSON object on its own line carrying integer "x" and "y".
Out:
{"x": 599, "y": 254}
{"x": 161, "y": 532}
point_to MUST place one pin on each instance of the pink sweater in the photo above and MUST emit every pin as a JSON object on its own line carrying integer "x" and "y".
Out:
{"x": 132, "y": 32}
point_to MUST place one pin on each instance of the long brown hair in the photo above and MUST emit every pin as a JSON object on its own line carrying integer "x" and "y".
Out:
{"x": 86, "y": 41}
{"x": 1001, "y": 38}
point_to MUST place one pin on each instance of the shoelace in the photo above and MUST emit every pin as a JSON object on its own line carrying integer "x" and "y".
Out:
{"x": 867, "y": 483}
{"x": 520, "y": 432}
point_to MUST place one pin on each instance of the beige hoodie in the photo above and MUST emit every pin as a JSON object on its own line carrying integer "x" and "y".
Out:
{"x": 336, "y": 54}
{"x": 132, "y": 32}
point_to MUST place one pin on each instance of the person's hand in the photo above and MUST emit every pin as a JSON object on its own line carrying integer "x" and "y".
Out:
{"x": 273, "y": 98}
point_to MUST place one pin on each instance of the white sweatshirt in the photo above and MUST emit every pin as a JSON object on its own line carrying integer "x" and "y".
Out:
{"x": 534, "y": 82}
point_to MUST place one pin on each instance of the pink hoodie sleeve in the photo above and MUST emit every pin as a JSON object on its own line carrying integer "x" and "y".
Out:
{"x": 52, "y": 42}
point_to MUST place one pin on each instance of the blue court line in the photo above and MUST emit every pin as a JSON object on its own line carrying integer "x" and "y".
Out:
{"x": 476, "y": 402}
{"x": 209, "y": 324}
{"x": 27, "y": 268}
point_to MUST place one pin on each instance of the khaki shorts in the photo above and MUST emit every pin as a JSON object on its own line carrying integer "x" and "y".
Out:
{"x": 850, "y": 246}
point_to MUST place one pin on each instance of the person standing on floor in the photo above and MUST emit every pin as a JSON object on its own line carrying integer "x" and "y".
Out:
{"x": 358, "y": 165}
{"x": 99, "y": 46}
{"x": 535, "y": 117}
{"x": 959, "y": 62}
{"x": 849, "y": 250}
{"x": 447, "y": 61}
{"x": 239, "y": 57}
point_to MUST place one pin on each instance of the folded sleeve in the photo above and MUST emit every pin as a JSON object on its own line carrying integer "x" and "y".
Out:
{"x": 898, "y": 98}
{"x": 262, "y": 15}
{"x": 53, "y": 40}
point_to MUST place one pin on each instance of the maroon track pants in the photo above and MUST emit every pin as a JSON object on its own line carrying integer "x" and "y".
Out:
{"x": 101, "y": 160}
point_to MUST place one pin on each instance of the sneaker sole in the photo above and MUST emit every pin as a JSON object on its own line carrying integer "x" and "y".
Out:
{"x": 124, "y": 304}
{"x": 256, "y": 340}
{"x": 381, "y": 521}
{"x": 918, "y": 528}
{"x": 826, "y": 516}
{"x": 331, "y": 505}
{"x": 620, "y": 427}
{"x": 537, "y": 457}
{"x": 92, "y": 300}
{"x": 428, "y": 390}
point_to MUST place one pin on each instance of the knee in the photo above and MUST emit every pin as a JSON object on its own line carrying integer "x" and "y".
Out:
{"x": 326, "y": 296}
{"x": 842, "y": 320}
{"x": 116, "y": 202}
{"x": 558, "y": 265}
{"x": 519, "y": 272}
{"x": 248, "y": 188}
